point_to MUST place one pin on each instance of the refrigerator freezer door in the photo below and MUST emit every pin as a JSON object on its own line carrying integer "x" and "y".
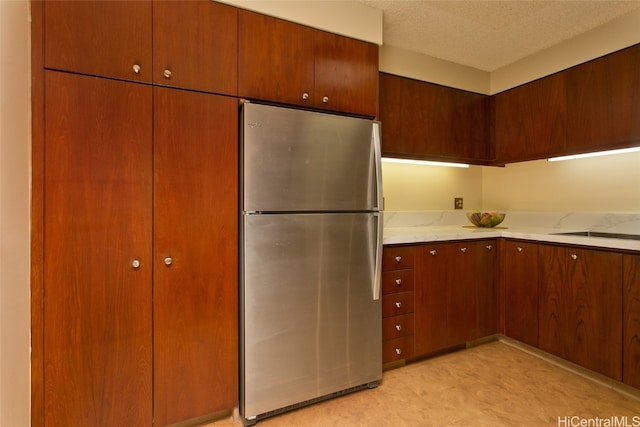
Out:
{"x": 311, "y": 325}
{"x": 297, "y": 160}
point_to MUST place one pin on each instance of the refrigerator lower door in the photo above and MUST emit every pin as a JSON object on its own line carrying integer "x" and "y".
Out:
{"x": 311, "y": 324}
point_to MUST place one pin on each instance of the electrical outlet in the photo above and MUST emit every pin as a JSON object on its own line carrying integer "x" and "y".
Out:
{"x": 458, "y": 203}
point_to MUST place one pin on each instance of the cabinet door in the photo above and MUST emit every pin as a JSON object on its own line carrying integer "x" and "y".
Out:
{"x": 346, "y": 74}
{"x": 275, "y": 59}
{"x": 530, "y": 120}
{"x": 195, "y": 255}
{"x": 195, "y": 45}
{"x": 425, "y": 120}
{"x": 430, "y": 297}
{"x": 580, "y": 306}
{"x": 596, "y": 303}
{"x": 486, "y": 284}
{"x": 631, "y": 319}
{"x": 604, "y": 102}
{"x": 97, "y": 225}
{"x": 101, "y": 38}
{"x": 444, "y": 304}
{"x": 520, "y": 269}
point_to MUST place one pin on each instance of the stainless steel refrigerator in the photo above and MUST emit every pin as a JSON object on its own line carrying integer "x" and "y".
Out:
{"x": 311, "y": 258}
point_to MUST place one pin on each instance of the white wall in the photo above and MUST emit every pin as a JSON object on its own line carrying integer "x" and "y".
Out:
{"x": 598, "y": 184}
{"x": 425, "y": 188}
{"x": 15, "y": 131}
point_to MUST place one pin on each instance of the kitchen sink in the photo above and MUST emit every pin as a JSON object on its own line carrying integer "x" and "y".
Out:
{"x": 601, "y": 234}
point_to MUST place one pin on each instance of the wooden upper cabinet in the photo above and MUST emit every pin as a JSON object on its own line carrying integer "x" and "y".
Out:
{"x": 429, "y": 121}
{"x": 289, "y": 63}
{"x": 530, "y": 120}
{"x": 604, "y": 102}
{"x": 101, "y": 38}
{"x": 275, "y": 59}
{"x": 346, "y": 74}
{"x": 195, "y": 45}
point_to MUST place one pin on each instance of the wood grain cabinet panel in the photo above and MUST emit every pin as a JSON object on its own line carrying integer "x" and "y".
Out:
{"x": 631, "y": 319}
{"x": 141, "y": 264}
{"x": 289, "y": 63}
{"x": 98, "y": 258}
{"x": 195, "y": 45}
{"x": 195, "y": 249}
{"x": 530, "y": 120}
{"x": 397, "y": 303}
{"x": 520, "y": 275}
{"x": 486, "y": 283}
{"x": 100, "y": 38}
{"x": 430, "y": 121}
{"x": 187, "y": 44}
{"x": 603, "y": 106}
{"x": 580, "y": 306}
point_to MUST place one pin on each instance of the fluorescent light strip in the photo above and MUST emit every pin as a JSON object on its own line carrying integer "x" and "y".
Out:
{"x": 595, "y": 154}
{"x": 423, "y": 162}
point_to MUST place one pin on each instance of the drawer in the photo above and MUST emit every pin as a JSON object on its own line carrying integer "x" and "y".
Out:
{"x": 398, "y": 349}
{"x": 397, "y": 281}
{"x": 397, "y": 326}
{"x": 397, "y": 258}
{"x": 396, "y": 304}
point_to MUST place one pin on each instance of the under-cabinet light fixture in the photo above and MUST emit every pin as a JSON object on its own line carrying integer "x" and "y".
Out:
{"x": 594, "y": 154}
{"x": 424, "y": 162}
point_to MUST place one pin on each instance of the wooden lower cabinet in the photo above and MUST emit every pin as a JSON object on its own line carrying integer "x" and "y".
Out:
{"x": 397, "y": 303}
{"x": 140, "y": 253}
{"x": 631, "y": 321}
{"x": 520, "y": 290}
{"x": 580, "y": 307}
{"x": 456, "y": 294}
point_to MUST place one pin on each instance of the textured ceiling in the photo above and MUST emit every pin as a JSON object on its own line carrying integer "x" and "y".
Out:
{"x": 488, "y": 35}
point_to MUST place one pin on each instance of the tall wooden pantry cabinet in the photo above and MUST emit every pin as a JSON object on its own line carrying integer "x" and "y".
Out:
{"x": 135, "y": 209}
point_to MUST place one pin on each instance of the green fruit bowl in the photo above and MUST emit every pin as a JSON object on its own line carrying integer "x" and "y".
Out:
{"x": 485, "y": 219}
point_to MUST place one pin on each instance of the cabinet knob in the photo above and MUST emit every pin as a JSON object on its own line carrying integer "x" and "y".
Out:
{"x": 519, "y": 249}
{"x": 305, "y": 96}
{"x": 463, "y": 250}
{"x": 398, "y": 304}
{"x": 136, "y": 68}
{"x": 398, "y": 351}
{"x": 433, "y": 252}
{"x": 398, "y": 282}
{"x": 135, "y": 264}
{"x": 168, "y": 261}
{"x": 574, "y": 256}
{"x": 167, "y": 73}
{"x": 325, "y": 99}
{"x": 398, "y": 328}
{"x": 489, "y": 247}
{"x": 398, "y": 259}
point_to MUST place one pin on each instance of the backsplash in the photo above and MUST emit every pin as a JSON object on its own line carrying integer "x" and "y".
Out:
{"x": 593, "y": 221}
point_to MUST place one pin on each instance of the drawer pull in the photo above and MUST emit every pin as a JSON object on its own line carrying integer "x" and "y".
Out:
{"x": 433, "y": 252}
{"x": 574, "y": 256}
{"x": 398, "y": 351}
{"x": 489, "y": 247}
{"x": 398, "y": 304}
{"x": 463, "y": 250}
{"x": 519, "y": 249}
{"x": 398, "y": 282}
{"x": 398, "y": 328}
{"x": 398, "y": 259}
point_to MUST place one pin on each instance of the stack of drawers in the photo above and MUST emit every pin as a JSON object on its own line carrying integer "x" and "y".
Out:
{"x": 397, "y": 303}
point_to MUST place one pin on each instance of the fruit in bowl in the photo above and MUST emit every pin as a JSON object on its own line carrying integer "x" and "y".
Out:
{"x": 485, "y": 219}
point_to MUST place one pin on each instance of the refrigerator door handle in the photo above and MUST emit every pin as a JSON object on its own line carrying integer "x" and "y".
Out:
{"x": 377, "y": 149}
{"x": 377, "y": 279}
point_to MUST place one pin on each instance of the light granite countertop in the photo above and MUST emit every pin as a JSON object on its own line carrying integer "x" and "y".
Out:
{"x": 432, "y": 226}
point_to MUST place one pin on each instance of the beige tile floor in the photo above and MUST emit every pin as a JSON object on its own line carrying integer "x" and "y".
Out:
{"x": 494, "y": 384}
